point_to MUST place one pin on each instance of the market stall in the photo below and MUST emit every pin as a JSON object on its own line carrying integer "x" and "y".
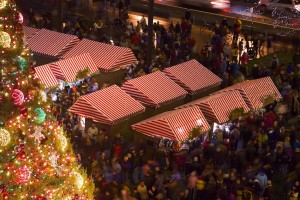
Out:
{"x": 67, "y": 69}
{"x": 29, "y": 32}
{"x": 193, "y": 77}
{"x": 154, "y": 89}
{"x": 218, "y": 107}
{"x": 257, "y": 93}
{"x": 46, "y": 76}
{"x": 173, "y": 125}
{"x": 51, "y": 44}
{"x": 110, "y": 59}
{"x": 108, "y": 106}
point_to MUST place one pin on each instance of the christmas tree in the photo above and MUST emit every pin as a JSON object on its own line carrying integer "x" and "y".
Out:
{"x": 36, "y": 158}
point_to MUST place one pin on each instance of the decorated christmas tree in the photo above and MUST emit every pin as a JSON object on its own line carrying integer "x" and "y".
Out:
{"x": 36, "y": 158}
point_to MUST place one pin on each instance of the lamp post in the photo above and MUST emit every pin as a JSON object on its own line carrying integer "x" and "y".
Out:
{"x": 150, "y": 33}
{"x": 59, "y": 15}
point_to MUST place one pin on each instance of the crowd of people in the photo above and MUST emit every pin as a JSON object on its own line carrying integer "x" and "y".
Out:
{"x": 255, "y": 157}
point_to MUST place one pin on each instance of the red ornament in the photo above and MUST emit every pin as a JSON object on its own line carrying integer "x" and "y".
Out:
{"x": 31, "y": 70}
{"x": 23, "y": 175}
{"x": 18, "y": 97}
{"x": 5, "y": 195}
{"x": 21, "y": 155}
{"x": 24, "y": 113}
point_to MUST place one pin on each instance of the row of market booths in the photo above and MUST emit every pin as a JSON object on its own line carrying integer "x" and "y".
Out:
{"x": 59, "y": 57}
{"x": 167, "y": 104}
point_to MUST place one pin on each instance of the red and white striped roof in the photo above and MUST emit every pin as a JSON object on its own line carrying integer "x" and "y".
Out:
{"x": 192, "y": 76}
{"x": 67, "y": 69}
{"x": 107, "y": 57}
{"x": 154, "y": 89}
{"x": 51, "y": 43}
{"x": 108, "y": 106}
{"x": 217, "y": 107}
{"x": 29, "y": 32}
{"x": 45, "y": 74}
{"x": 255, "y": 91}
{"x": 174, "y": 125}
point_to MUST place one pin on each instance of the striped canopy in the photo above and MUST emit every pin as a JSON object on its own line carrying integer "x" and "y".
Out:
{"x": 255, "y": 91}
{"x": 107, "y": 57}
{"x": 174, "y": 125}
{"x": 67, "y": 69}
{"x": 192, "y": 76}
{"x": 154, "y": 89}
{"x": 108, "y": 106}
{"x": 51, "y": 44}
{"x": 217, "y": 107}
{"x": 29, "y": 32}
{"x": 46, "y": 76}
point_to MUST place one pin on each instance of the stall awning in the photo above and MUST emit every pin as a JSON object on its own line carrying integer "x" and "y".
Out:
{"x": 154, "y": 89}
{"x": 108, "y": 106}
{"x": 192, "y": 76}
{"x": 255, "y": 91}
{"x": 217, "y": 107}
{"x": 107, "y": 57}
{"x": 67, "y": 69}
{"x": 51, "y": 43}
{"x": 174, "y": 125}
{"x": 46, "y": 76}
{"x": 29, "y": 32}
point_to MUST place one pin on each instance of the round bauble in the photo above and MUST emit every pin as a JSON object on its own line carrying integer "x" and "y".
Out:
{"x": 24, "y": 113}
{"x": 40, "y": 115}
{"x": 21, "y": 155}
{"x": 4, "y": 137}
{"x": 3, "y": 3}
{"x": 4, "y": 39}
{"x": 17, "y": 97}
{"x": 24, "y": 175}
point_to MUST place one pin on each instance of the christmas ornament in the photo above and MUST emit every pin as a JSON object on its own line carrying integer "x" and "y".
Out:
{"x": 4, "y": 39}
{"x": 22, "y": 62}
{"x": 5, "y": 195}
{"x": 78, "y": 180}
{"x": 31, "y": 70}
{"x": 4, "y": 137}
{"x": 20, "y": 18}
{"x": 18, "y": 97}
{"x": 23, "y": 174}
{"x": 21, "y": 155}
{"x": 53, "y": 163}
{"x": 37, "y": 135}
{"x": 40, "y": 115}
{"x": 43, "y": 96}
{"x": 76, "y": 197}
{"x": 3, "y": 4}
{"x": 62, "y": 142}
{"x": 24, "y": 113}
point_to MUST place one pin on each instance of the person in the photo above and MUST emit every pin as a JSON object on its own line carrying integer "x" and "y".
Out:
{"x": 187, "y": 15}
{"x": 92, "y": 133}
{"x": 237, "y": 26}
{"x": 143, "y": 23}
{"x": 275, "y": 63}
{"x": 262, "y": 181}
{"x": 142, "y": 190}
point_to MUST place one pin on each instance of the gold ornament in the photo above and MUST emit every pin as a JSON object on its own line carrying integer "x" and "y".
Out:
{"x": 4, "y": 39}
{"x": 78, "y": 180}
{"x": 63, "y": 142}
{"x": 4, "y": 137}
{"x": 3, "y": 4}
